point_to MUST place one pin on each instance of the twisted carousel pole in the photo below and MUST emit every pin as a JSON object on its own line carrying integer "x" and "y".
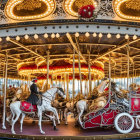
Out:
{"x": 48, "y": 58}
{"x": 5, "y": 90}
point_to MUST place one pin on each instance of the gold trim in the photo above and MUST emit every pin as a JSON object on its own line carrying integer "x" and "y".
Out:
{"x": 10, "y": 5}
{"x": 116, "y": 7}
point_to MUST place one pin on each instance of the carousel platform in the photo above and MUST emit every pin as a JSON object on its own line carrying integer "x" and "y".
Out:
{"x": 65, "y": 132}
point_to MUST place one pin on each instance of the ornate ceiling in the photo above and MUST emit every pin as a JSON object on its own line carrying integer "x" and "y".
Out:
{"x": 127, "y": 9}
{"x": 29, "y": 9}
{"x": 25, "y": 10}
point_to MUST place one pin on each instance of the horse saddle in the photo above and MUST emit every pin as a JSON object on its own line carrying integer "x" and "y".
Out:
{"x": 28, "y": 107}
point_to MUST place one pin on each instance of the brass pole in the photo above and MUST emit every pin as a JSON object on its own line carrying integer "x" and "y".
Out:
{"x": 89, "y": 69}
{"x": 80, "y": 76}
{"x": 128, "y": 63}
{"x": 48, "y": 57}
{"x": 73, "y": 84}
{"x": 5, "y": 91}
{"x": 109, "y": 76}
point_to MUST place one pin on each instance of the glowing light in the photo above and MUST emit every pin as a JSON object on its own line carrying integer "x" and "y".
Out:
{"x": 7, "y": 38}
{"x": 118, "y": 36}
{"x": 0, "y": 39}
{"x": 17, "y": 38}
{"x": 77, "y": 34}
{"x": 134, "y": 37}
{"x": 45, "y": 35}
{"x": 26, "y": 37}
{"x": 100, "y": 35}
{"x": 53, "y": 35}
{"x": 87, "y": 34}
{"x": 57, "y": 35}
{"x": 126, "y": 36}
{"x": 108, "y": 35}
{"x": 94, "y": 34}
{"x": 36, "y": 36}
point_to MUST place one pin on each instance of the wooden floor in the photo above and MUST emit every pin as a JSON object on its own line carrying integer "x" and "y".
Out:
{"x": 32, "y": 131}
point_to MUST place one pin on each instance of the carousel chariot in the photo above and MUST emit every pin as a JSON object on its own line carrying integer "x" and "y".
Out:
{"x": 120, "y": 113}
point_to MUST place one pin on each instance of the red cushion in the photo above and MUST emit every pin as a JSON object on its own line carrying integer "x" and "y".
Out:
{"x": 28, "y": 107}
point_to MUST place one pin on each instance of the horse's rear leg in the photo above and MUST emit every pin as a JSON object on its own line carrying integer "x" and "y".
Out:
{"x": 21, "y": 121}
{"x": 65, "y": 115}
{"x": 14, "y": 121}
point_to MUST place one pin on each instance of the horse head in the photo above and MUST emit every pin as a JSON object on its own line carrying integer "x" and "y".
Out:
{"x": 101, "y": 87}
{"x": 61, "y": 92}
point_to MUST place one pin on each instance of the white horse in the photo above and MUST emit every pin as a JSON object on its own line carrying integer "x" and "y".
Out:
{"x": 83, "y": 105}
{"x": 47, "y": 98}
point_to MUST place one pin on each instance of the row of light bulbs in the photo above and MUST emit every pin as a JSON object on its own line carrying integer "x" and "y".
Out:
{"x": 87, "y": 34}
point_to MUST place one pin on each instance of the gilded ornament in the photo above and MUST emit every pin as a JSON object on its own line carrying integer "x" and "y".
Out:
{"x": 133, "y": 4}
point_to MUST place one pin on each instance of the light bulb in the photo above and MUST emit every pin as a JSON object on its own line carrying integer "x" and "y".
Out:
{"x": 87, "y": 34}
{"x": 109, "y": 35}
{"x": 57, "y": 35}
{"x": 0, "y": 39}
{"x": 53, "y": 35}
{"x": 134, "y": 37}
{"x": 45, "y": 35}
{"x": 94, "y": 34}
{"x": 77, "y": 34}
{"x": 7, "y": 38}
{"x": 17, "y": 38}
{"x": 118, "y": 36}
{"x": 126, "y": 36}
{"x": 26, "y": 36}
{"x": 100, "y": 35}
{"x": 35, "y": 36}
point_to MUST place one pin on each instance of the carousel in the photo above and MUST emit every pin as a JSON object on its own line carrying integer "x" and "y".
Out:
{"x": 82, "y": 56}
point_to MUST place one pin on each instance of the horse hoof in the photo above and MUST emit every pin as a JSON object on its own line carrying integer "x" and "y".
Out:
{"x": 42, "y": 132}
{"x": 55, "y": 129}
{"x": 13, "y": 132}
{"x": 3, "y": 127}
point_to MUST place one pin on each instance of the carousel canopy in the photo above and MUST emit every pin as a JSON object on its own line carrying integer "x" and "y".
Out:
{"x": 93, "y": 28}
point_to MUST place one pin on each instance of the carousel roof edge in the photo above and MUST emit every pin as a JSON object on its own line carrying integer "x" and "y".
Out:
{"x": 71, "y": 21}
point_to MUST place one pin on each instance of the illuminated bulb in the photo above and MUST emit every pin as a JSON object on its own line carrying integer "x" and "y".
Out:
{"x": 77, "y": 34}
{"x": 118, "y": 36}
{"x": 87, "y": 34}
{"x": 0, "y": 39}
{"x": 35, "y": 36}
{"x": 26, "y": 36}
{"x": 126, "y": 36}
{"x": 53, "y": 35}
{"x": 100, "y": 35}
{"x": 7, "y": 38}
{"x": 45, "y": 35}
{"x": 57, "y": 35}
{"x": 108, "y": 35}
{"x": 134, "y": 37}
{"x": 17, "y": 38}
{"x": 94, "y": 34}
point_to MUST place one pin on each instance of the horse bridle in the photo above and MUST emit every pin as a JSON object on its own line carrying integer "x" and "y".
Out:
{"x": 50, "y": 95}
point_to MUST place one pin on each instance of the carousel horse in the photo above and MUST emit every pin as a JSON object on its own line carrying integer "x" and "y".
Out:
{"x": 17, "y": 108}
{"x": 82, "y": 105}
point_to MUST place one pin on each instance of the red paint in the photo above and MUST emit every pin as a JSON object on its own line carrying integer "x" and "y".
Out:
{"x": 27, "y": 107}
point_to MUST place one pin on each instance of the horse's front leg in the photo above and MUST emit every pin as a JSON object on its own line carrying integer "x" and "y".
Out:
{"x": 52, "y": 109}
{"x": 40, "y": 120}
